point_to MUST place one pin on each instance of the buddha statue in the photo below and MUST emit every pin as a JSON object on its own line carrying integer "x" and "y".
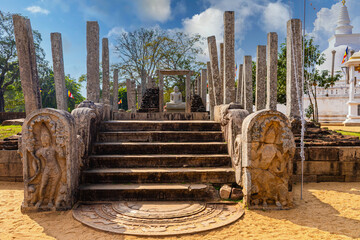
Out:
{"x": 176, "y": 104}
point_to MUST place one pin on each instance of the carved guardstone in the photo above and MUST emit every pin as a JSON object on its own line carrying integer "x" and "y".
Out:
{"x": 268, "y": 148}
{"x": 51, "y": 153}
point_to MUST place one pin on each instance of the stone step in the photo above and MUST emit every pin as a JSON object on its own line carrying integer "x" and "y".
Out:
{"x": 133, "y": 125}
{"x": 158, "y": 160}
{"x": 159, "y": 175}
{"x": 130, "y": 148}
{"x": 161, "y": 136}
{"x": 147, "y": 192}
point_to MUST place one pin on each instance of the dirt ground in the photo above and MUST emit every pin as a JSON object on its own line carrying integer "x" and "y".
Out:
{"x": 327, "y": 211}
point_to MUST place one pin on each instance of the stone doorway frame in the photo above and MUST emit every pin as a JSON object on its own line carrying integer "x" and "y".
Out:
{"x": 167, "y": 72}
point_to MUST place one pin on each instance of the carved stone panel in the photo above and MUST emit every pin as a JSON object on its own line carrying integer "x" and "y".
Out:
{"x": 268, "y": 148}
{"x": 50, "y": 152}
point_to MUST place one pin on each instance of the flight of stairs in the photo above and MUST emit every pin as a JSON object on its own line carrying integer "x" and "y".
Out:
{"x": 157, "y": 160}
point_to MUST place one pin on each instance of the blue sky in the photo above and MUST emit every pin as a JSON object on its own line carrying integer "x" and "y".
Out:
{"x": 254, "y": 19}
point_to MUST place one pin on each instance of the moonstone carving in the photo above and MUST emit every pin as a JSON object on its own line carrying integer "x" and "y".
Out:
{"x": 268, "y": 147}
{"x": 51, "y": 153}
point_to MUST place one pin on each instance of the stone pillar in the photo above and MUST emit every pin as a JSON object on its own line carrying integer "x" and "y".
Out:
{"x": 242, "y": 90}
{"x": 260, "y": 98}
{"x": 161, "y": 91}
{"x": 116, "y": 90}
{"x": 133, "y": 95}
{"x": 294, "y": 68}
{"x": 105, "y": 73}
{"x": 272, "y": 62}
{"x": 130, "y": 96}
{"x": 92, "y": 61}
{"x": 59, "y": 74}
{"x": 239, "y": 85}
{"x": 211, "y": 91}
{"x": 203, "y": 86}
{"x": 143, "y": 82}
{"x": 333, "y": 63}
{"x": 229, "y": 57}
{"x": 198, "y": 87}
{"x": 221, "y": 60}
{"x": 218, "y": 90}
{"x": 248, "y": 87}
{"x": 27, "y": 63}
{"x": 188, "y": 93}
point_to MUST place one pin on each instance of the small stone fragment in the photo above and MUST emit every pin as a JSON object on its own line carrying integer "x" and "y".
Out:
{"x": 236, "y": 194}
{"x": 225, "y": 192}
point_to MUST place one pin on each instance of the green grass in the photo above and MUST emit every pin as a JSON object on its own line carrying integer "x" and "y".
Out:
{"x": 7, "y": 131}
{"x": 356, "y": 134}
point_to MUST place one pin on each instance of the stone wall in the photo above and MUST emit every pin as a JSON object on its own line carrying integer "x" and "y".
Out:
{"x": 11, "y": 168}
{"x": 11, "y": 115}
{"x": 328, "y": 164}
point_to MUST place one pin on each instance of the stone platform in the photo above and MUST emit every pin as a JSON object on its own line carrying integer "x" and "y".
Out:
{"x": 157, "y": 218}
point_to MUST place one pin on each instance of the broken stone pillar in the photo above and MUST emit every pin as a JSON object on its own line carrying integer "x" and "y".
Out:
{"x": 188, "y": 93}
{"x": 130, "y": 95}
{"x": 248, "y": 87}
{"x": 229, "y": 57}
{"x": 272, "y": 64}
{"x": 268, "y": 147}
{"x": 239, "y": 85}
{"x": 27, "y": 63}
{"x": 116, "y": 90}
{"x": 217, "y": 83}
{"x": 51, "y": 153}
{"x": 92, "y": 61}
{"x": 221, "y": 59}
{"x": 203, "y": 86}
{"x": 260, "y": 93}
{"x": 294, "y": 63}
{"x": 161, "y": 91}
{"x": 211, "y": 91}
{"x": 59, "y": 74}
{"x": 105, "y": 73}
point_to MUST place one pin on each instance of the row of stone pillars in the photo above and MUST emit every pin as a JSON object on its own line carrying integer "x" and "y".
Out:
{"x": 29, "y": 74}
{"x": 222, "y": 79}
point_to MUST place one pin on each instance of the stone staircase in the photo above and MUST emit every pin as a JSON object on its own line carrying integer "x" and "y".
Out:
{"x": 157, "y": 160}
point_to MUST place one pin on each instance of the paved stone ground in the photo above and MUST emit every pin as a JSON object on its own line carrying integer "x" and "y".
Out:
{"x": 157, "y": 218}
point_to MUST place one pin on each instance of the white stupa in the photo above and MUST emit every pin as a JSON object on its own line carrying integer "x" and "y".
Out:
{"x": 332, "y": 101}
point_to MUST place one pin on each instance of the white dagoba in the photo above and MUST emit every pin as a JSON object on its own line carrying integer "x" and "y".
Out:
{"x": 353, "y": 117}
{"x": 332, "y": 102}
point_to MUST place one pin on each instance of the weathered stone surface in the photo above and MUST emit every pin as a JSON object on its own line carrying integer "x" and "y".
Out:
{"x": 19, "y": 121}
{"x": 211, "y": 90}
{"x": 87, "y": 121}
{"x": 248, "y": 87}
{"x": 222, "y": 68}
{"x": 236, "y": 194}
{"x": 268, "y": 148}
{"x": 51, "y": 153}
{"x": 10, "y": 166}
{"x": 92, "y": 61}
{"x": 131, "y": 97}
{"x": 229, "y": 57}
{"x": 272, "y": 63}
{"x": 27, "y": 63}
{"x": 157, "y": 219}
{"x": 150, "y": 101}
{"x": 143, "y": 83}
{"x": 294, "y": 68}
{"x": 116, "y": 90}
{"x": 203, "y": 86}
{"x": 59, "y": 74}
{"x": 260, "y": 93}
{"x": 217, "y": 81}
{"x": 239, "y": 95}
{"x": 225, "y": 192}
{"x": 105, "y": 71}
{"x": 161, "y": 91}
{"x": 197, "y": 104}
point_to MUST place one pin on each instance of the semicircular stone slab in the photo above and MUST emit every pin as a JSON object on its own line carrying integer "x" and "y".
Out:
{"x": 157, "y": 218}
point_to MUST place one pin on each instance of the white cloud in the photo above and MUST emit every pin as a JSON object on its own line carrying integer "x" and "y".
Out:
{"x": 275, "y": 17}
{"x": 37, "y": 9}
{"x": 116, "y": 31}
{"x": 154, "y": 10}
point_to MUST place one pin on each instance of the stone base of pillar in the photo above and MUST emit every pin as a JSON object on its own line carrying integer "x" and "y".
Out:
{"x": 353, "y": 118}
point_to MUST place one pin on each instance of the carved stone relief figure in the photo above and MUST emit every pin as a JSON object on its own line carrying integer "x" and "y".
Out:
{"x": 267, "y": 150}
{"x": 49, "y": 150}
